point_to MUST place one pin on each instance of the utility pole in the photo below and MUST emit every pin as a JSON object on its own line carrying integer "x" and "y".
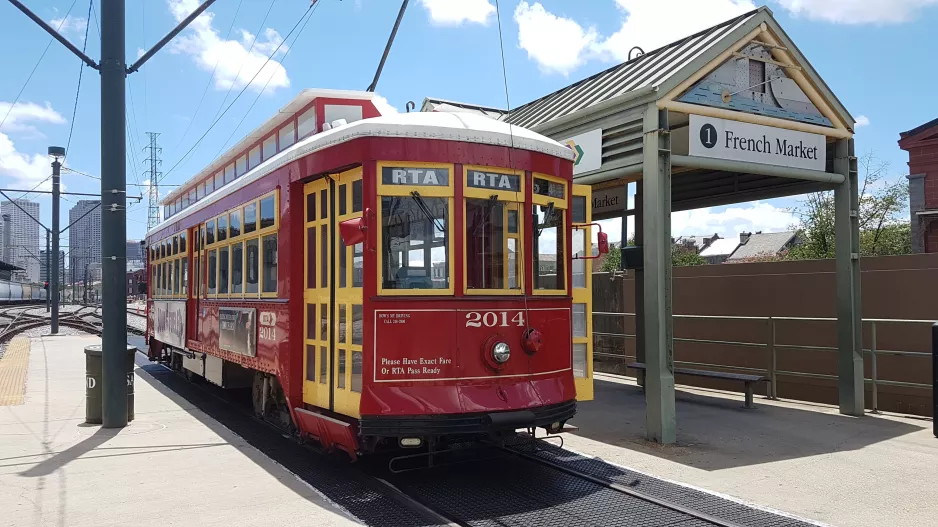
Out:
{"x": 153, "y": 210}
{"x": 113, "y": 215}
{"x": 56, "y": 152}
{"x": 113, "y": 191}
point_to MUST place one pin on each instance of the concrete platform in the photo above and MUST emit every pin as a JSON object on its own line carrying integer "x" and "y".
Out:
{"x": 172, "y": 466}
{"x": 802, "y": 459}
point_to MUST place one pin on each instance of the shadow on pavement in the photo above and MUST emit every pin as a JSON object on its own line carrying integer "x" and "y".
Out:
{"x": 716, "y": 432}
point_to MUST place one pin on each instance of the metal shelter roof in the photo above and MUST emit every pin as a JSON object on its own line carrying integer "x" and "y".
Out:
{"x": 662, "y": 68}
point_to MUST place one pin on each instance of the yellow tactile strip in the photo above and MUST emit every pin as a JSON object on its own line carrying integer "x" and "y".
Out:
{"x": 13, "y": 367}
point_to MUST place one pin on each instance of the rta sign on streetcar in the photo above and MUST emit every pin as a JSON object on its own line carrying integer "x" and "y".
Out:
{"x": 733, "y": 140}
{"x": 493, "y": 180}
{"x": 421, "y": 177}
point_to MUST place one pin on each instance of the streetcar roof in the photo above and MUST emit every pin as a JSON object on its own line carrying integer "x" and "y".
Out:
{"x": 463, "y": 127}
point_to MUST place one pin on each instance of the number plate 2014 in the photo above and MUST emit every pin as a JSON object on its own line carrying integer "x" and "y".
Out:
{"x": 494, "y": 319}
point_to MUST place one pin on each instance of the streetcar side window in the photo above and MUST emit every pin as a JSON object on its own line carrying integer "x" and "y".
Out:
{"x": 253, "y": 259}
{"x": 223, "y": 271}
{"x": 210, "y": 232}
{"x": 250, "y": 218}
{"x": 268, "y": 212}
{"x": 222, "y": 227}
{"x": 270, "y": 264}
{"x": 237, "y": 267}
{"x": 212, "y": 271}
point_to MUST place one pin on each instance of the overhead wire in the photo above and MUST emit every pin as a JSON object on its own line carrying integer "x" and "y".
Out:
{"x": 511, "y": 135}
{"x": 272, "y": 74}
{"x": 81, "y": 69}
{"x": 129, "y": 154}
{"x": 241, "y": 66}
{"x": 216, "y": 121}
{"x": 36, "y": 66}
{"x": 209, "y": 83}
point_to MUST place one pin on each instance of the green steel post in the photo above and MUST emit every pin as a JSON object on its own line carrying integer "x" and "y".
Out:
{"x": 639, "y": 279}
{"x": 660, "y": 423}
{"x": 113, "y": 216}
{"x": 52, "y": 273}
{"x": 847, "y": 242}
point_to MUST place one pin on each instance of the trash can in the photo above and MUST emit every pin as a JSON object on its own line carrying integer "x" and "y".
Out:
{"x": 93, "y": 384}
{"x": 93, "y": 400}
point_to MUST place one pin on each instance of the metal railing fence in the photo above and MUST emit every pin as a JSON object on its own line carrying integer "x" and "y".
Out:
{"x": 771, "y": 345}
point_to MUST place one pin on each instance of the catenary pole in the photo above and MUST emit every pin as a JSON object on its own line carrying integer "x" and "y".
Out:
{"x": 53, "y": 273}
{"x": 48, "y": 260}
{"x": 113, "y": 215}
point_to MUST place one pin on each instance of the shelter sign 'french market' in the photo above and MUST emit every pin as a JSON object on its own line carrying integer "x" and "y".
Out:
{"x": 725, "y": 139}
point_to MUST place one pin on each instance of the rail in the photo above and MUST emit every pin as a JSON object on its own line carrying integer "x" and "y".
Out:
{"x": 771, "y": 345}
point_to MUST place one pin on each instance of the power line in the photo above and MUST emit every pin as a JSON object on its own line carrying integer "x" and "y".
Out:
{"x": 209, "y": 83}
{"x": 235, "y": 129}
{"x": 298, "y": 22}
{"x": 38, "y": 62}
{"x": 241, "y": 66}
{"x": 81, "y": 69}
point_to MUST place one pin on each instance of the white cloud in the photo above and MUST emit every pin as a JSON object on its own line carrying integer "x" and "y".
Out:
{"x": 556, "y": 43}
{"x": 455, "y": 12}
{"x": 383, "y": 106}
{"x": 22, "y": 117}
{"x": 750, "y": 217}
{"x": 23, "y": 170}
{"x": 74, "y": 25}
{"x": 862, "y": 120}
{"x": 858, "y": 11}
{"x": 236, "y": 66}
{"x": 140, "y": 53}
{"x": 560, "y": 44}
{"x": 651, "y": 25}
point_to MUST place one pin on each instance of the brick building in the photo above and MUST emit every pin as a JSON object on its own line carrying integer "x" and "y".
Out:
{"x": 922, "y": 145}
{"x": 133, "y": 279}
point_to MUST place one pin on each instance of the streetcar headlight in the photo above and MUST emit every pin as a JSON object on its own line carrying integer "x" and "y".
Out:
{"x": 501, "y": 352}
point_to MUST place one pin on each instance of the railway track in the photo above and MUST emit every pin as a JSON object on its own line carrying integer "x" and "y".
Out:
{"x": 17, "y": 319}
{"x": 521, "y": 483}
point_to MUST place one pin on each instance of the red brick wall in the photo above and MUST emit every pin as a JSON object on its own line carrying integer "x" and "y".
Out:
{"x": 924, "y": 160}
{"x": 931, "y": 236}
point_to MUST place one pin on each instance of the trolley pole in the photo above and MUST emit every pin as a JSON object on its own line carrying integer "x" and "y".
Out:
{"x": 53, "y": 272}
{"x": 113, "y": 216}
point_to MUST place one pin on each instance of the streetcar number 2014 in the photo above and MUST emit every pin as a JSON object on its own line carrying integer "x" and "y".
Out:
{"x": 491, "y": 319}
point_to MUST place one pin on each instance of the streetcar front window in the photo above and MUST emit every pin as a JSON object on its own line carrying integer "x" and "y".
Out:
{"x": 415, "y": 242}
{"x": 492, "y": 244}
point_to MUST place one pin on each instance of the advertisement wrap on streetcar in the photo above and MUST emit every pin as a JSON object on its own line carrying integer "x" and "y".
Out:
{"x": 381, "y": 282}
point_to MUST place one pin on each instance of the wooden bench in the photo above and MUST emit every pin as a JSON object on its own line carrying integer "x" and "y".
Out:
{"x": 747, "y": 380}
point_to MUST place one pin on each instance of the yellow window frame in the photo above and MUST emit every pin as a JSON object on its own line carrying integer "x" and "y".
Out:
{"x": 424, "y": 191}
{"x": 559, "y": 203}
{"x": 509, "y": 197}
{"x": 242, "y": 238}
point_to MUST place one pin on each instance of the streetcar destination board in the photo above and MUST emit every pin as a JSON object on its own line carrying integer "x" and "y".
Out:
{"x": 424, "y": 177}
{"x": 493, "y": 180}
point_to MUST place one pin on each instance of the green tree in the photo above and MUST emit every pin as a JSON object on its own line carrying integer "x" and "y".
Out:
{"x": 680, "y": 256}
{"x": 881, "y": 221}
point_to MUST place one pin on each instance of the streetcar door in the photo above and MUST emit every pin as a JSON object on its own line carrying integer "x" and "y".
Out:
{"x": 348, "y": 307}
{"x": 317, "y": 294}
{"x": 582, "y": 293}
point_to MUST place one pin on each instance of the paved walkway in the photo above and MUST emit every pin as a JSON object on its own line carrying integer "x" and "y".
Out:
{"x": 172, "y": 466}
{"x": 803, "y": 459}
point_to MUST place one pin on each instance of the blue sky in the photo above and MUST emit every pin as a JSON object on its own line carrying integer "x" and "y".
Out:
{"x": 874, "y": 54}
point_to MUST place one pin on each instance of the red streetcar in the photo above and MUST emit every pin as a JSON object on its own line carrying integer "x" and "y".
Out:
{"x": 381, "y": 281}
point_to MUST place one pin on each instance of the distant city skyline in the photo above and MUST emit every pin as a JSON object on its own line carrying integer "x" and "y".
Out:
{"x": 25, "y": 241}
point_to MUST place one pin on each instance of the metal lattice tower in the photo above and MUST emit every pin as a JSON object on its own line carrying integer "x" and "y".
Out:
{"x": 153, "y": 173}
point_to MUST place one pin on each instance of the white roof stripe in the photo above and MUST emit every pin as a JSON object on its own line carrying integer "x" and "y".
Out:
{"x": 463, "y": 127}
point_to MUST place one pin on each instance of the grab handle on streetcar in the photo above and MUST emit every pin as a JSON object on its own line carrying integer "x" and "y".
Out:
{"x": 602, "y": 241}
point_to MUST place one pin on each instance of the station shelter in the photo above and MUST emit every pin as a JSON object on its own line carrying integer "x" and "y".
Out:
{"x": 734, "y": 113}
